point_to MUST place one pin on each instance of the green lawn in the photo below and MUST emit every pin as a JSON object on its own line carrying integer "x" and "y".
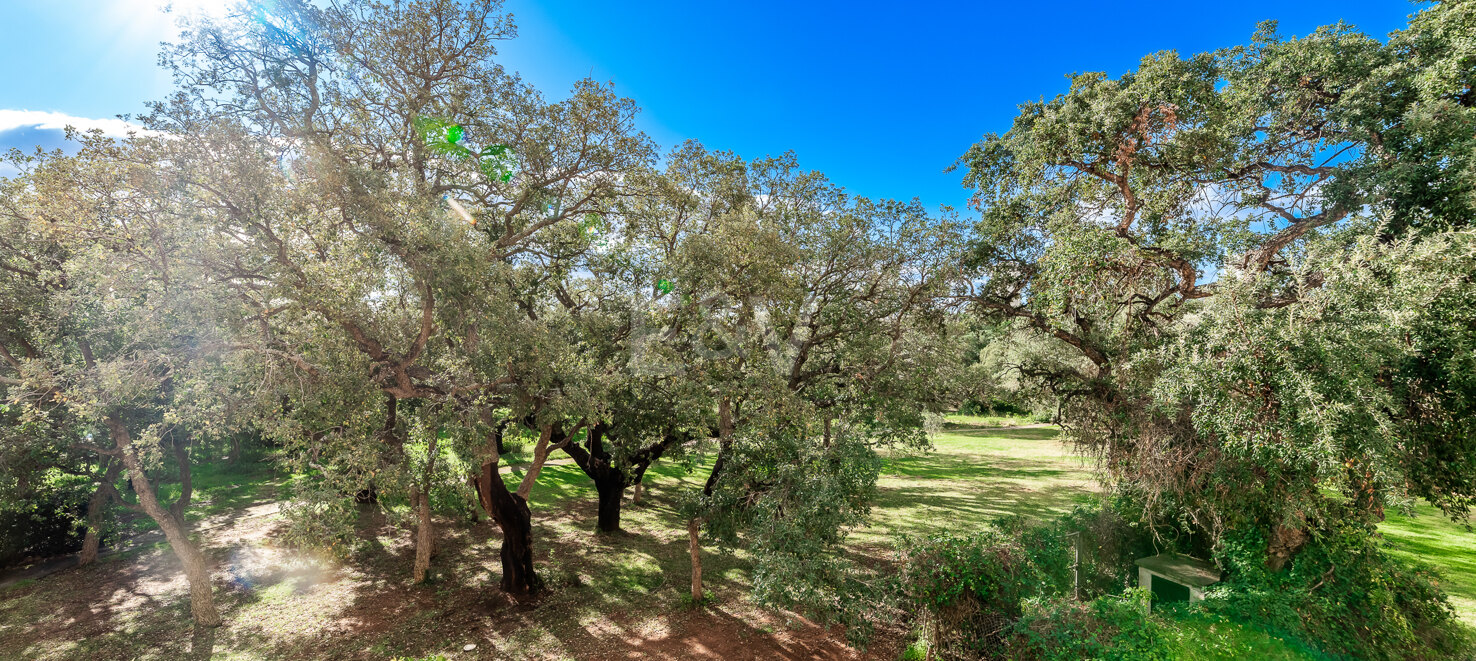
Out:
{"x": 1432, "y": 537}
{"x": 973, "y": 476}
{"x": 1204, "y": 637}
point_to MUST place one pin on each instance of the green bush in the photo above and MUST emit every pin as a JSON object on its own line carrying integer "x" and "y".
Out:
{"x": 47, "y": 522}
{"x": 1107, "y": 628}
{"x": 999, "y": 566}
{"x": 1004, "y": 593}
{"x": 917, "y": 651}
{"x": 1344, "y": 595}
{"x": 972, "y": 586}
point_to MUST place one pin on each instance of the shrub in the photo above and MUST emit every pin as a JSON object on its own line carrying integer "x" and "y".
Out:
{"x": 1344, "y": 595}
{"x": 47, "y": 522}
{"x": 972, "y": 586}
{"x": 1110, "y": 542}
{"x": 1107, "y": 628}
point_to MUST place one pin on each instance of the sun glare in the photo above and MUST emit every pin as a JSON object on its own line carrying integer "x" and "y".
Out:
{"x": 183, "y": 7}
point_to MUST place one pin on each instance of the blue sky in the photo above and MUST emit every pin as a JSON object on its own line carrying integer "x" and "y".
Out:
{"x": 879, "y": 96}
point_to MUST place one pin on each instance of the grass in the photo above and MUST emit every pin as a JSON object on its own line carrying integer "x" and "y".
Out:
{"x": 974, "y": 475}
{"x": 1430, "y": 536}
{"x": 1198, "y": 636}
{"x": 217, "y": 488}
{"x": 974, "y": 421}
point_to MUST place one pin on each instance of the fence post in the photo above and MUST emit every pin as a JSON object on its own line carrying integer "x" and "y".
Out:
{"x": 1075, "y": 565}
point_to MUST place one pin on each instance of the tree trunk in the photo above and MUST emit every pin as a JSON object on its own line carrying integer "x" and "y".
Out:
{"x": 540, "y": 455}
{"x": 1285, "y": 543}
{"x": 612, "y": 491}
{"x": 635, "y": 493}
{"x": 424, "y": 536}
{"x": 95, "y": 506}
{"x": 1365, "y": 495}
{"x": 695, "y": 546}
{"x": 510, "y": 512}
{"x": 725, "y": 440}
{"x": 197, "y": 569}
{"x": 91, "y": 542}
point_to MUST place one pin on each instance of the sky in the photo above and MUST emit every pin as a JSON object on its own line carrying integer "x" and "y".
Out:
{"x": 882, "y": 97}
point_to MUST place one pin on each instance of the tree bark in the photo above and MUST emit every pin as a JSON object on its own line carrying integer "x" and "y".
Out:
{"x": 1285, "y": 543}
{"x": 510, "y": 512}
{"x": 540, "y": 455}
{"x": 694, "y": 545}
{"x": 197, "y": 569}
{"x": 635, "y": 493}
{"x": 95, "y": 505}
{"x": 425, "y": 535}
{"x": 611, "y": 490}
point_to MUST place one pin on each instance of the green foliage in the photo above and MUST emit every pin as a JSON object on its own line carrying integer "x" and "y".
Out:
{"x": 998, "y": 568}
{"x": 975, "y": 586}
{"x": 915, "y": 651}
{"x": 1112, "y": 627}
{"x": 443, "y": 138}
{"x": 790, "y": 502}
{"x": 1343, "y": 595}
{"x": 1315, "y": 407}
{"x": 48, "y": 520}
{"x": 1248, "y": 267}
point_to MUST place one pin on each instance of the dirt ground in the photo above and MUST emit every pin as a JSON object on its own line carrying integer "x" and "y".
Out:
{"x": 611, "y": 597}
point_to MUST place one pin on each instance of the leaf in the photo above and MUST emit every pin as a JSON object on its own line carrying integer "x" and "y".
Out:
{"x": 431, "y": 129}
{"x": 498, "y": 162}
{"x": 448, "y": 149}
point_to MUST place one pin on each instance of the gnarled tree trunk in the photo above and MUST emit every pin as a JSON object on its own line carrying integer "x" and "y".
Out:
{"x": 510, "y": 512}
{"x": 197, "y": 569}
{"x": 95, "y": 506}
{"x": 611, "y": 491}
{"x": 612, "y": 480}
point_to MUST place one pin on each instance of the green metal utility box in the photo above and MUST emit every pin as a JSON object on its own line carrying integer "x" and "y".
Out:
{"x": 1174, "y": 577}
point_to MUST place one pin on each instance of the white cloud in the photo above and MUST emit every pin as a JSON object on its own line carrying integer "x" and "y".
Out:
{"x": 40, "y": 119}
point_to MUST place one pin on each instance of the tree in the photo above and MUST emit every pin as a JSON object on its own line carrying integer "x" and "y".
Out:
{"x": 118, "y": 336}
{"x": 1131, "y": 215}
{"x": 329, "y": 151}
{"x": 811, "y": 320}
